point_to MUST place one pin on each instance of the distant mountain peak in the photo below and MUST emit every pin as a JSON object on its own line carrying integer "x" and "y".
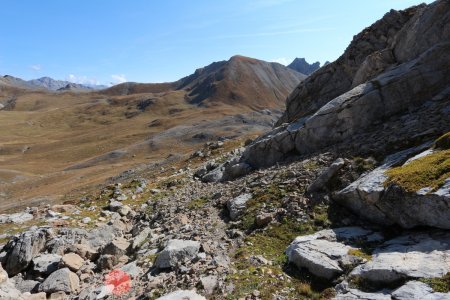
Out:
{"x": 58, "y": 85}
{"x": 302, "y": 66}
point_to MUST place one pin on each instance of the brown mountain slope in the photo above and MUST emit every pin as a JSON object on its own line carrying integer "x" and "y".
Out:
{"x": 52, "y": 143}
{"x": 240, "y": 81}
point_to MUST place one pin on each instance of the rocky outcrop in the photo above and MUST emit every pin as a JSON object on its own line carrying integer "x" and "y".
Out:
{"x": 332, "y": 253}
{"x": 377, "y": 77}
{"x": 324, "y": 254}
{"x": 387, "y": 204}
{"x": 408, "y": 257}
{"x": 23, "y": 249}
{"x": 392, "y": 92}
{"x": 386, "y": 43}
{"x": 176, "y": 252}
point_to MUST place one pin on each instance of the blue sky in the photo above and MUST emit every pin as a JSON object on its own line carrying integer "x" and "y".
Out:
{"x": 110, "y": 41}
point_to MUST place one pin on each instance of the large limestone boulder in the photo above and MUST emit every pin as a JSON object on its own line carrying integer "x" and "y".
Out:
{"x": 424, "y": 255}
{"x": 372, "y": 199}
{"x": 22, "y": 249}
{"x": 176, "y": 252}
{"x": 327, "y": 253}
{"x": 62, "y": 280}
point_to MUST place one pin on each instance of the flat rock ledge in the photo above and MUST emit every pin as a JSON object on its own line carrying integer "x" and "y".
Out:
{"x": 327, "y": 253}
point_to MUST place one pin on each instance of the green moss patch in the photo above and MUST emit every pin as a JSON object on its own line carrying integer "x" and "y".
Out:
{"x": 197, "y": 203}
{"x": 279, "y": 278}
{"x": 441, "y": 285}
{"x": 429, "y": 171}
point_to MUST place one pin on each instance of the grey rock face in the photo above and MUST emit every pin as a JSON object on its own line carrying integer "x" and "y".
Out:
{"x": 22, "y": 249}
{"x": 182, "y": 295}
{"x": 398, "y": 37}
{"x": 410, "y": 256}
{"x": 392, "y": 92}
{"x": 62, "y": 280}
{"x": 46, "y": 263}
{"x": 369, "y": 198}
{"x": 320, "y": 257}
{"x": 177, "y": 251}
{"x": 102, "y": 236}
{"x": 322, "y": 254}
{"x": 237, "y": 205}
{"x": 380, "y": 75}
{"x": 416, "y": 290}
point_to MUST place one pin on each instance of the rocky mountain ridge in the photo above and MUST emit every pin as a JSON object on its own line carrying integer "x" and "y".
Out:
{"x": 239, "y": 81}
{"x": 47, "y": 83}
{"x": 55, "y": 85}
{"x": 302, "y": 66}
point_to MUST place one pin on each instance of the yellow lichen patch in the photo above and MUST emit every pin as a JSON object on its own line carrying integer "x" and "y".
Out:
{"x": 443, "y": 142}
{"x": 429, "y": 171}
{"x": 360, "y": 253}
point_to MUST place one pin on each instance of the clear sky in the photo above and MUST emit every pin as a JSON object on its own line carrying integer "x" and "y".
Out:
{"x": 109, "y": 41}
